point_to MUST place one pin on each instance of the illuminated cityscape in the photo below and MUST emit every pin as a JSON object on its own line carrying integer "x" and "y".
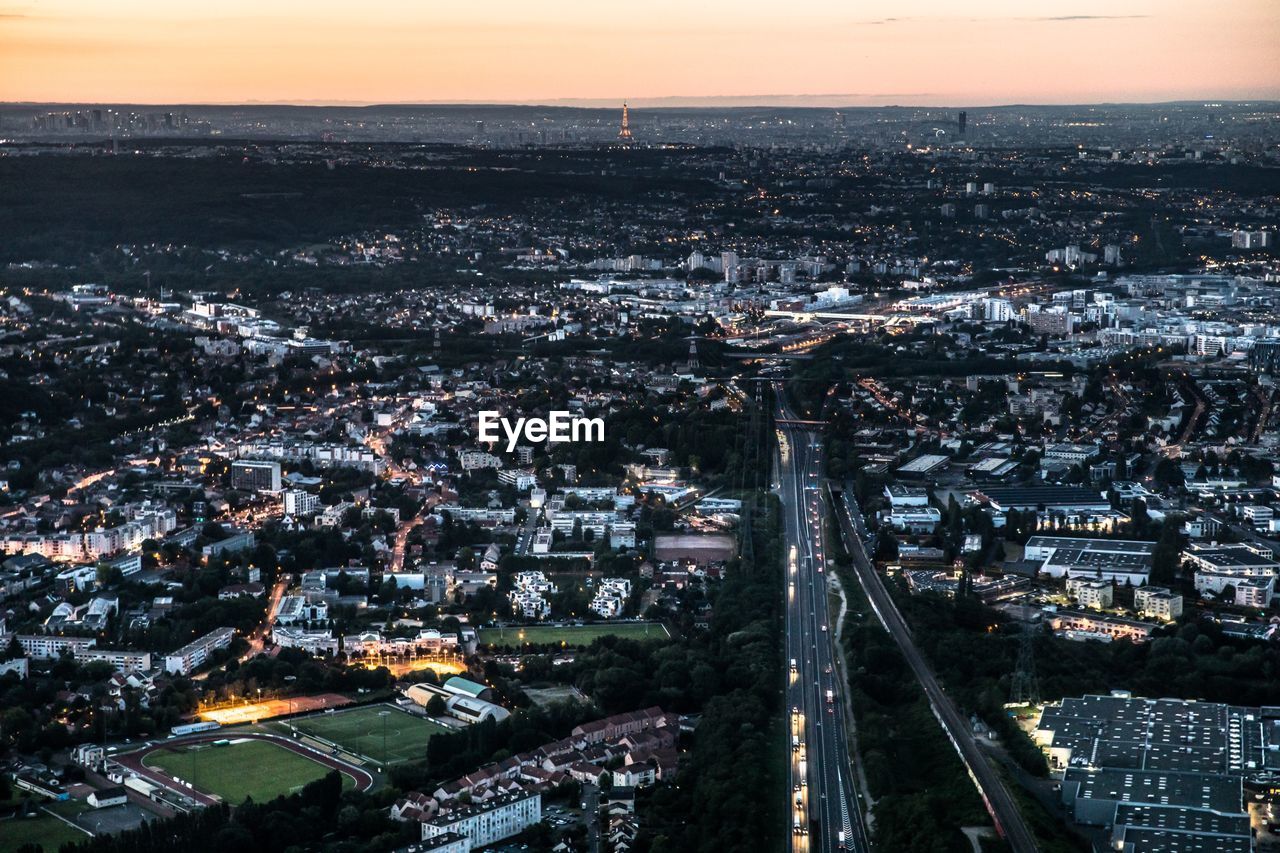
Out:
{"x": 453, "y": 429}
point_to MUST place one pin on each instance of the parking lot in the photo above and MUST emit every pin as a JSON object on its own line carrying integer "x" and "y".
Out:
{"x": 113, "y": 819}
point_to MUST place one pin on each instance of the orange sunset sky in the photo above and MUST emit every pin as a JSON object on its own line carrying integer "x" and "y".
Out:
{"x": 856, "y": 51}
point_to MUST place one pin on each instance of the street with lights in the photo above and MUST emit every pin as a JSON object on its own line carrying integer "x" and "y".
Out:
{"x": 825, "y": 810}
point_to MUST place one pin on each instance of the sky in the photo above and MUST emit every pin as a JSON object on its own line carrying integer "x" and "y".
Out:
{"x": 838, "y": 52}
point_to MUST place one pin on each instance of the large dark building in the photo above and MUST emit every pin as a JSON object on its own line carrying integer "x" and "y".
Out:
{"x": 1265, "y": 357}
{"x": 256, "y": 476}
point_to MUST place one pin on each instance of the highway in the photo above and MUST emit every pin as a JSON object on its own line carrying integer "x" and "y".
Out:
{"x": 826, "y": 814}
{"x": 999, "y": 802}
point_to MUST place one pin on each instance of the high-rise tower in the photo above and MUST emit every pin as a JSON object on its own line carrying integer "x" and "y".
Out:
{"x": 624, "y": 132}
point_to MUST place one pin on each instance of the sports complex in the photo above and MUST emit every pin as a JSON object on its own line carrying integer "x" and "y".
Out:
{"x": 211, "y": 767}
{"x": 375, "y": 734}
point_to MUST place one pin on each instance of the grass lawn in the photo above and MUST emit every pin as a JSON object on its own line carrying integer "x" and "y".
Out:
{"x": 251, "y": 768}
{"x": 45, "y": 830}
{"x": 571, "y": 635}
{"x": 360, "y": 731}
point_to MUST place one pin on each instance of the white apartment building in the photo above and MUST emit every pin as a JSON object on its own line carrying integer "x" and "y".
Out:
{"x": 295, "y": 608}
{"x": 102, "y": 542}
{"x": 474, "y": 460}
{"x": 1255, "y": 592}
{"x": 318, "y": 643}
{"x": 83, "y": 650}
{"x": 521, "y": 479}
{"x": 298, "y": 503}
{"x": 597, "y": 521}
{"x": 1256, "y": 515}
{"x": 622, "y": 534}
{"x": 489, "y": 822}
{"x": 997, "y": 310}
{"x": 331, "y": 516}
{"x": 529, "y": 595}
{"x": 1250, "y": 590}
{"x": 478, "y": 514}
{"x": 591, "y": 494}
{"x": 611, "y": 597}
{"x": 194, "y": 654}
{"x": 542, "y": 539}
{"x": 1156, "y": 602}
{"x": 322, "y": 455}
{"x": 1095, "y": 594}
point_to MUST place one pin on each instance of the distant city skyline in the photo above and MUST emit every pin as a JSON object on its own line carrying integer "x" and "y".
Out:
{"x": 921, "y": 52}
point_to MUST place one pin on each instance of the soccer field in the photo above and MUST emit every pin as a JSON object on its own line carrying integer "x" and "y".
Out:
{"x": 570, "y": 635}
{"x": 361, "y": 731}
{"x": 251, "y": 768}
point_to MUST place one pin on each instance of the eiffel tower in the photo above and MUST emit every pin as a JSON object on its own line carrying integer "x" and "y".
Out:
{"x": 624, "y": 132}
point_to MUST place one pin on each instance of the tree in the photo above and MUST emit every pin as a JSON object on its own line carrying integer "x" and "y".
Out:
{"x": 1167, "y": 554}
{"x": 1168, "y": 473}
{"x": 955, "y": 522}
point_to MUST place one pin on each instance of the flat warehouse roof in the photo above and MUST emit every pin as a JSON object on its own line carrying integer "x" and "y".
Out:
{"x": 1043, "y": 495}
{"x": 1192, "y": 790}
{"x": 1118, "y": 546}
{"x": 1157, "y": 735}
{"x": 1142, "y": 840}
{"x": 1100, "y": 560}
{"x": 1228, "y": 557}
{"x": 923, "y": 464}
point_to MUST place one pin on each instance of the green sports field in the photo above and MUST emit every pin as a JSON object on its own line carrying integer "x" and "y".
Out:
{"x": 360, "y": 731}
{"x": 251, "y": 768}
{"x": 571, "y": 635}
{"x": 43, "y": 829}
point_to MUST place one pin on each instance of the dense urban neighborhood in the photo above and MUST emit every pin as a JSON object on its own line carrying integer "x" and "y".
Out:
{"x": 449, "y": 478}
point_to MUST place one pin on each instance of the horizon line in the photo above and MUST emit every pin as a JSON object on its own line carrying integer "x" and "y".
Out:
{"x": 811, "y": 101}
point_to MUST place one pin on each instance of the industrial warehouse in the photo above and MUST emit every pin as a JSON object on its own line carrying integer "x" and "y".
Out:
{"x": 1162, "y": 774}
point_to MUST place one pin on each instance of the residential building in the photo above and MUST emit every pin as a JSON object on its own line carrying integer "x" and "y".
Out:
{"x": 611, "y": 597}
{"x": 1157, "y": 602}
{"x": 194, "y": 654}
{"x": 1094, "y": 594}
{"x": 82, "y": 650}
{"x": 490, "y": 821}
{"x": 298, "y": 503}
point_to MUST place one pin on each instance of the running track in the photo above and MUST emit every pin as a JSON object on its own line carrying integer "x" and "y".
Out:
{"x": 133, "y": 761}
